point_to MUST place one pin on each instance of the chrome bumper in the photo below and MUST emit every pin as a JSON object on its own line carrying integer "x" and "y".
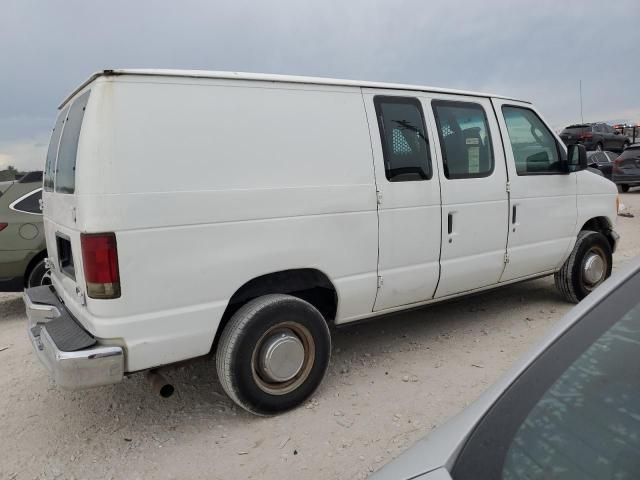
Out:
{"x": 89, "y": 367}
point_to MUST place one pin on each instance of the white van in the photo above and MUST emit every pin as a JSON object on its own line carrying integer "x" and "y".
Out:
{"x": 191, "y": 212}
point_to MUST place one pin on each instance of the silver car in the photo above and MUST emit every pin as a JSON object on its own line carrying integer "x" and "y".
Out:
{"x": 570, "y": 409}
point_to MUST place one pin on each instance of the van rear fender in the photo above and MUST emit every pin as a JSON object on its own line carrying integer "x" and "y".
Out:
{"x": 309, "y": 284}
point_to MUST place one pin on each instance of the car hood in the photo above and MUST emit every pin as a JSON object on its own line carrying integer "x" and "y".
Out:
{"x": 441, "y": 448}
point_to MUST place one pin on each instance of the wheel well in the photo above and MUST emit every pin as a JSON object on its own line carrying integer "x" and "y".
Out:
{"x": 308, "y": 284}
{"x": 36, "y": 258}
{"x": 602, "y": 225}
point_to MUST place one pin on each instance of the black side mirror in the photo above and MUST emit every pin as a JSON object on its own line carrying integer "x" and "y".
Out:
{"x": 576, "y": 158}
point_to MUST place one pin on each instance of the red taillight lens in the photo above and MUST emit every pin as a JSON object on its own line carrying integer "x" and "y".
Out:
{"x": 100, "y": 263}
{"x": 585, "y": 136}
{"x": 3, "y": 226}
{"x": 616, "y": 165}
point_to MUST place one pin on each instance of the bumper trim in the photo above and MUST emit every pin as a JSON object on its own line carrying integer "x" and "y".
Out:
{"x": 89, "y": 367}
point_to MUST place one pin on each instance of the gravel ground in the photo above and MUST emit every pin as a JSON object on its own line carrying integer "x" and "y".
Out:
{"x": 390, "y": 382}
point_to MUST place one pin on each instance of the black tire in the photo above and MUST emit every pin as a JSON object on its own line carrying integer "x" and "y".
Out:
{"x": 570, "y": 279}
{"x": 625, "y": 146}
{"x": 243, "y": 340}
{"x": 623, "y": 187}
{"x": 39, "y": 275}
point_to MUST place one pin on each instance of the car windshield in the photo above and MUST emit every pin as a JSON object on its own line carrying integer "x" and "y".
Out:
{"x": 587, "y": 425}
{"x": 575, "y": 412}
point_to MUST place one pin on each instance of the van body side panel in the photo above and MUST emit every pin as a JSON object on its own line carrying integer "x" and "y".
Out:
{"x": 210, "y": 183}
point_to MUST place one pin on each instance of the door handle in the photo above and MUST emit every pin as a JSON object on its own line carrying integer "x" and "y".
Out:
{"x": 513, "y": 215}
{"x": 450, "y": 223}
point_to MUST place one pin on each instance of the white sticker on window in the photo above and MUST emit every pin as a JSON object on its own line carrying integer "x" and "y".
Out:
{"x": 474, "y": 159}
{"x": 472, "y": 141}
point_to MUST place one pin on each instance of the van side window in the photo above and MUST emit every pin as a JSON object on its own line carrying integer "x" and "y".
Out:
{"x": 535, "y": 149}
{"x": 66, "y": 164}
{"x": 405, "y": 145}
{"x": 52, "y": 151}
{"x": 464, "y": 139}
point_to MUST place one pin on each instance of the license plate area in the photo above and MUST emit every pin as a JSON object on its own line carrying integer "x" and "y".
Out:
{"x": 65, "y": 255}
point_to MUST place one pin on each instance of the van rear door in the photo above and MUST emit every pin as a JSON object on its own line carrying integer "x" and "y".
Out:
{"x": 59, "y": 197}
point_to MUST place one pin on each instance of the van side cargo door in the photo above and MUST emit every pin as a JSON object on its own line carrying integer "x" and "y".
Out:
{"x": 473, "y": 182}
{"x": 408, "y": 198}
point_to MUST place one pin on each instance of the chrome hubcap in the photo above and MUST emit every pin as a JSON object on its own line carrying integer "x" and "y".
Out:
{"x": 281, "y": 357}
{"x": 593, "y": 269}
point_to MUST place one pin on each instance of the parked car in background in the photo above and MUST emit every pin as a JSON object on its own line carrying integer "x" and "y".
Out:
{"x": 568, "y": 409}
{"x": 595, "y": 136}
{"x": 22, "y": 243}
{"x": 602, "y": 161}
{"x": 626, "y": 168}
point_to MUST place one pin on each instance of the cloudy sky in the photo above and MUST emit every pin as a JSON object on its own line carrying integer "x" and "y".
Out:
{"x": 537, "y": 50}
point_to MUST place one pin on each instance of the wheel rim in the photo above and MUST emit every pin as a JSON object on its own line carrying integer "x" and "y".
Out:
{"x": 46, "y": 278}
{"x": 283, "y": 357}
{"x": 594, "y": 268}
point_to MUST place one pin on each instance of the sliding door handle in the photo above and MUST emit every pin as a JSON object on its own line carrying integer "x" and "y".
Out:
{"x": 513, "y": 214}
{"x": 450, "y": 223}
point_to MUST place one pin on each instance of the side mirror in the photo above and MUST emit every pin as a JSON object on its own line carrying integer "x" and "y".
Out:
{"x": 576, "y": 158}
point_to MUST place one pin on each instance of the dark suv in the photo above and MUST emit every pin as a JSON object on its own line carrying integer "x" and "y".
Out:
{"x": 595, "y": 136}
{"x": 626, "y": 168}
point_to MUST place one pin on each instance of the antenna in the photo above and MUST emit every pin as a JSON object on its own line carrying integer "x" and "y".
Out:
{"x": 581, "y": 116}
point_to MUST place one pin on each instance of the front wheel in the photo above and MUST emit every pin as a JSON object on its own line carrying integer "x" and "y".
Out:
{"x": 587, "y": 267}
{"x": 273, "y": 354}
{"x": 623, "y": 188}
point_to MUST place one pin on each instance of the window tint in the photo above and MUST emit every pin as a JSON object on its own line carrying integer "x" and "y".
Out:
{"x": 575, "y": 412}
{"x": 534, "y": 147}
{"x": 66, "y": 164}
{"x": 50, "y": 164}
{"x": 598, "y": 128}
{"x": 607, "y": 128}
{"x": 404, "y": 140}
{"x": 29, "y": 204}
{"x": 464, "y": 139}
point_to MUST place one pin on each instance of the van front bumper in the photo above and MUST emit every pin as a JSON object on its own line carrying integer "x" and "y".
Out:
{"x": 72, "y": 355}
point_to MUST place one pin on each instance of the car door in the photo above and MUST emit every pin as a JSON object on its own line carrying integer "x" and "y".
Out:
{"x": 543, "y": 211}
{"x": 408, "y": 198}
{"x": 474, "y": 197}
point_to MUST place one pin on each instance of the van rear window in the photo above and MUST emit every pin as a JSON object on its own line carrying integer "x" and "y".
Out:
{"x": 65, "y": 181}
{"x": 52, "y": 152}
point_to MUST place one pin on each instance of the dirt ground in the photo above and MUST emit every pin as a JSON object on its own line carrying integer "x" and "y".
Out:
{"x": 390, "y": 382}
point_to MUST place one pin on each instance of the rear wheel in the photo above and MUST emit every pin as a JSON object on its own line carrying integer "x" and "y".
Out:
{"x": 587, "y": 267}
{"x": 599, "y": 147}
{"x": 39, "y": 275}
{"x": 273, "y": 354}
{"x": 625, "y": 146}
{"x": 623, "y": 188}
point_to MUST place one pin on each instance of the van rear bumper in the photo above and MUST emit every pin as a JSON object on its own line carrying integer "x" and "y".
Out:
{"x": 74, "y": 358}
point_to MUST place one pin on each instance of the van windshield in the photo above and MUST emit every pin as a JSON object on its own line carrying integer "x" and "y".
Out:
{"x": 65, "y": 181}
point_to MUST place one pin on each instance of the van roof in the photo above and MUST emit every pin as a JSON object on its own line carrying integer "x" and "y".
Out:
{"x": 268, "y": 77}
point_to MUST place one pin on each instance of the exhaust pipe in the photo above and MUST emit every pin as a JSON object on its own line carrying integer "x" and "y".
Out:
{"x": 159, "y": 384}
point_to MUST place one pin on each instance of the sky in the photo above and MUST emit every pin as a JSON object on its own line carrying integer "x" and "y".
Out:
{"x": 535, "y": 50}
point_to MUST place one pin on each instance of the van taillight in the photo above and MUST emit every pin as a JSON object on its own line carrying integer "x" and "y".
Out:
{"x": 100, "y": 263}
{"x": 617, "y": 163}
{"x": 3, "y": 226}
